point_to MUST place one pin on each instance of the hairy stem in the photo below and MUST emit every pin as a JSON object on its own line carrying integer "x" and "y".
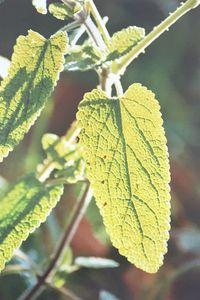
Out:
{"x": 64, "y": 243}
{"x": 99, "y": 21}
{"x": 153, "y": 35}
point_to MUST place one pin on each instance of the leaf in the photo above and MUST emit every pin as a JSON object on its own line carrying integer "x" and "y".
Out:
{"x": 127, "y": 164}
{"x": 123, "y": 41}
{"x": 65, "y": 156}
{"x": 95, "y": 262}
{"x": 22, "y": 210}
{"x": 4, "y": 66}
{"x": 83, "y": 58}
{"x": 35, "y": 68}
{"x": 62, "y": 12}
{"x": 41, "y": 6}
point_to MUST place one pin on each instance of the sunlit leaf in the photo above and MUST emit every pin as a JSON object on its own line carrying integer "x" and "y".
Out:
{"x": 127, "y": 164}
{"x": 22, "y": 209}
{"x": 95, "y": 262}
{"x": 63, "y": 12}
{"x": 36, "y": 64}
{"x": 123, "y": 41}
{"x": 41, "y": 6}
{"x": 83, "y": 58}
{"x": 65, "y": 156}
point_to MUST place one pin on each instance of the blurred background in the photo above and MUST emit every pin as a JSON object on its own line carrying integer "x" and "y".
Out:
{"x": 171, "y": 68}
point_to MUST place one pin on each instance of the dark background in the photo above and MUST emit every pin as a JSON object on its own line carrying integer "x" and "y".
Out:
{"x": 171, "y": 68}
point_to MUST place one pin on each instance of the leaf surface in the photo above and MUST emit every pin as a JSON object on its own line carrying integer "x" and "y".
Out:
{"x": 83, "y": 58}
{"x": 22, "y": 209}
{"x": 41, "y": 6}
{"x": 66, "y": 157}
{"x": 95, "y": 262}
{"x": 123, "y": 41}
{"x": 62, "y": 12}
{"x": 127, "y": 164}
{"x": 36, "y": 64}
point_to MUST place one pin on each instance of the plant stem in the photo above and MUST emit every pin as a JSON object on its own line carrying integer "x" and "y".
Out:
{"x": 153, "y": 35}
{"x": 94, "y": 32}
{"x": 64, "y": 243}
{"x": 99, "y": 21}
{"x": 45, "y": 169}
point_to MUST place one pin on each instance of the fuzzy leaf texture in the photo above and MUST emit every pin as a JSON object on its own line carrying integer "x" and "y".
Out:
{"x": 127, "y": 164}
{"x": 41, "y": 6}
{"x": 35, "y": 68}
{"x": 62, "y": 12}
{"x": 22, "y": 209}
{"x": 65, "y": 156}
{"x": 83, "y": 58}
{"x": 123, "y": 41}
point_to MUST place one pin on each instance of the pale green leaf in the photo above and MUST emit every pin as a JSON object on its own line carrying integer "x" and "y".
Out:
{"x": 127, "y": 164}
{"x": 83, "y": 58}
{"x": 65, "y": 156}
{"x": 123, "y": 41}
{"x": 22, "y": 209}
{"x": 4, "y": 66}
{"x": 95, "y": 262}
{"x": 60, "y": 150}
{"x": 62, "y": 12}
{"x": 36, "y": 64}
{"x": 41, "y": 6}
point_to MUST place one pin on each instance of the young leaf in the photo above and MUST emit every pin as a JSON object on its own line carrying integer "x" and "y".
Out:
{"x": 123, "y": 41}
{"x": 22, "y": 210}
{"x": 41, "y": 6}
{"x": 62, "y": 12}
{"x": 36, "y": 64}
{"x": 127, "y": 164}
{"x": 95, "y": 262}
{"x": 65, "y": 156}
{"x": 83, "y": 58}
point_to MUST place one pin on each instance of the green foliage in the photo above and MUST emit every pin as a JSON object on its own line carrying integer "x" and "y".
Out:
{"x": 126, "y": 157}
{"x": 83, "y": 58}
{"x": 62, "y": 11}
{"x": 23, "y": 208}
{"x": 95, "y": 262}
{"x": 88, "y": 57}
{"x": 65, "y": 157}
{"x": 41, "y": 6}
{"x": 123, "y": 41}
{"x": 36, "y": 64}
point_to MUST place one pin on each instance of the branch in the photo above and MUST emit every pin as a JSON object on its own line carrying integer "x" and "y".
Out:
{"x": 153, "y": 35}
{"x": 64, "y": 243}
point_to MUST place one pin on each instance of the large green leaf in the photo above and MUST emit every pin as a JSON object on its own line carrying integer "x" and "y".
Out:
{"x": 22, "y": 210}
{"x": 127, "y": 164}
{"x": 36, "y": 64}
